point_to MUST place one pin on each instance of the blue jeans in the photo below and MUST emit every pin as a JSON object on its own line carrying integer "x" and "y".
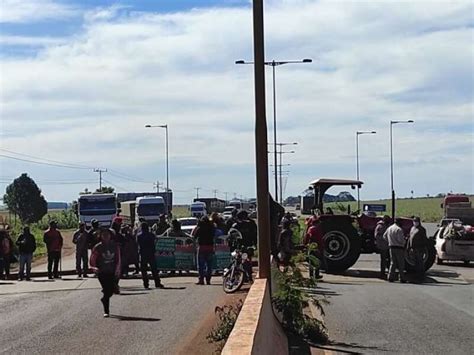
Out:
{"x": 25, "y": 259}
{"x": 205, "y": 265}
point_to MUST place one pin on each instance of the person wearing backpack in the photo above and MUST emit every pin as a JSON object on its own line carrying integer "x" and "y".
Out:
{"x": 26, "y": 245}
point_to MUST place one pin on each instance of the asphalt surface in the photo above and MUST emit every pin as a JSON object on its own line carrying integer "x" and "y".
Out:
{"x": 371, "y": 316}
{"x": 65, "y": 316}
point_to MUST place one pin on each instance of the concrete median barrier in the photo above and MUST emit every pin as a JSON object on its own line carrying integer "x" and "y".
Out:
{"x": 257, "y": 330}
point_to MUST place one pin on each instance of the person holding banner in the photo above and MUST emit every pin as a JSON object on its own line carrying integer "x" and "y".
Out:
{"x": 205, "y": 240}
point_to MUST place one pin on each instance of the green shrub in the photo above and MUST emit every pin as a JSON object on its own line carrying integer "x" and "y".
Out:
{"x": 292, "y": 297}
{"x": 227, "y": 316}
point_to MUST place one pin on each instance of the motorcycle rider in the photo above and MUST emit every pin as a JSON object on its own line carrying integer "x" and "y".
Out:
{"x": 382, "y": 245}
{"x": 231, "y": 221}
{"x": 248, "y": 229}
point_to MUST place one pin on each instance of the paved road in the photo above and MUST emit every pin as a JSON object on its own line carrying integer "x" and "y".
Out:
{"x": 65, "y": 316}
{"x": 369, "y": 315}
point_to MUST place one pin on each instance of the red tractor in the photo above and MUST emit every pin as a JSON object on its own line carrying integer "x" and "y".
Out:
{"x": 346, "y": 236}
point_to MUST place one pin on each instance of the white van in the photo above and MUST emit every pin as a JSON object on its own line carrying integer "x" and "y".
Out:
{"x": 198, "y": 209}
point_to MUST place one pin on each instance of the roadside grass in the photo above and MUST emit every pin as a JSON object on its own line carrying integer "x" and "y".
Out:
{"x": 181, "y": 211}
{"x": 65, "y": 220}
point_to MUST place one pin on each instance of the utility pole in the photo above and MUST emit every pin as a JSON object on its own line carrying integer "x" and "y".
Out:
{"x": 215, "y": 193}
{"x": 157, "y": 186}
{"x": 197, "y": 191}
{"x": 100, "y": 171}
{"x": 226, "y": 193}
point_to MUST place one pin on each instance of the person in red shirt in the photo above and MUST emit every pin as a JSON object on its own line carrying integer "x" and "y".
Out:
{"x": 54, "y": 243}
{"x": 315, "y": 234}
{"x": 105, "y": 262}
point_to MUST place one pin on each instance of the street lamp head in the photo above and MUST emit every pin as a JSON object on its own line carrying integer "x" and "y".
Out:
{"x": 240, "y": 62}
{"x": 411, "y": 121}
{"x": 147, "y": 126}
{"x": 307, "y": 60}
{"x": 373, "y": 132}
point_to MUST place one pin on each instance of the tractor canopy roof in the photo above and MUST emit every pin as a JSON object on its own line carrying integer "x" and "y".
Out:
{"x": 332, "y": 182}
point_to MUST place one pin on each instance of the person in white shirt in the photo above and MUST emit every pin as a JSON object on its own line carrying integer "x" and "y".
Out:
{"x": 396, "y": 242}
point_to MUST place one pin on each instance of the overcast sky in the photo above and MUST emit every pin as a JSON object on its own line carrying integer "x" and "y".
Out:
{"x": 79, "y": 80}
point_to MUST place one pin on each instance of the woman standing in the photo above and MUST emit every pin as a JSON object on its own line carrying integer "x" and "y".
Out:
{"x": 105, "y": 262}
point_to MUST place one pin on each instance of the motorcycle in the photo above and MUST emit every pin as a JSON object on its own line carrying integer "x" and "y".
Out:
{"x": 240, "y": 268}
{"x": 237, "y": 273}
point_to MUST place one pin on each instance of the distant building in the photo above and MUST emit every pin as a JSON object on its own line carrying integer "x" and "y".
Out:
{"x": 58, "y": 206}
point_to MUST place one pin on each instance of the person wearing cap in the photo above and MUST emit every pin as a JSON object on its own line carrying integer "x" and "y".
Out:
{"x": 80, "y": 238}
{"x": 54, "y": 244}
{"x": 417, "y": 243}
{"x": 396, "y": 243}
{"x": 105, "y": 262}
{"x": 382, "y": 245}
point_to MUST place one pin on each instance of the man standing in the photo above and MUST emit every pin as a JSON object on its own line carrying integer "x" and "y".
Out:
{"x": 382, "y": 245}
{"x": 416, "y": 247}
{"x": 162, "y": 225}
{"x": 6, "y": 249}
{"x": 396, "y": 242}
{"x": 81, "y": 239}
{"x": 315, "y": 234}
{"x": 204, "y": 235}
{"x": 26, "y": 246}
{"x": 146, "y": 243}
{"x": 54, "y": 243}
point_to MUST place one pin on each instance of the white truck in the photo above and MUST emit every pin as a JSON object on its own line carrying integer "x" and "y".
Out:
{"x": 198, "y": 209}
{"x": 102, "y": 207}
{"x": 148, "y": 208}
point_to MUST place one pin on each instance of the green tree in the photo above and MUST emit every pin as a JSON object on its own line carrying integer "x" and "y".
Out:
{"x": 106, "y": 190}
{"x": 23, "y": 197}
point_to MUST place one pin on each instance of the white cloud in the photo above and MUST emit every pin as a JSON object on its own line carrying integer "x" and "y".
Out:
{"x": 27, "y": 11}
{"x": 30, "y": 41}
{"x": 87, "y": 100}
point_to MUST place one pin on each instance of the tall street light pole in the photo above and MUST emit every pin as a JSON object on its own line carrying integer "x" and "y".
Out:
{"x": 391, "y": 164}
{"x": 165, "y": 126}
{"x": 261, "y": 142}
{"x": 274, "y": 64}
{"x": 280, "y": 165}
{"x": 358, "y": 133}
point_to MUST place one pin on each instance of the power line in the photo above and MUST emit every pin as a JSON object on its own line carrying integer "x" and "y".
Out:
{"x": 48, "y": 160}
{"x": 42, "y": 163}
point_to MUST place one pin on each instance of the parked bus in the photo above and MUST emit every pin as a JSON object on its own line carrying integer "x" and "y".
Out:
{"x": 102, "y": 207}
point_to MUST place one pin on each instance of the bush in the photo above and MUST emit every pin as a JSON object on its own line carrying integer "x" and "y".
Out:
{"x": 227, "y": 316}
{"x": 292, "y": 297}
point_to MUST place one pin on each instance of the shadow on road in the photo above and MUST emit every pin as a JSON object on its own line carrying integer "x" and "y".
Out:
{"x": 364, "y": 274}
{"x": 444, "y": 273}
{"x": 298, "y": 346}
{"x": 134, "y": 319}
{"x": 174, "y": 288}
{"x": 346, "y": 348}
{"x": 133, "y": 293}
{"x": 7, "y": 283}
{"x": 322, "y": 292}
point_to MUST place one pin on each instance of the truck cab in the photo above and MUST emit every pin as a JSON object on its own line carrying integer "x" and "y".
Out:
{"x": 102, "y": 207}
{"x": 198, "y": 209}
{"x": 149, "y": 208}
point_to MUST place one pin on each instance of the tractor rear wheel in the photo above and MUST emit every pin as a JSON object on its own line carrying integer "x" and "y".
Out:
{"x": 341, "y": 247}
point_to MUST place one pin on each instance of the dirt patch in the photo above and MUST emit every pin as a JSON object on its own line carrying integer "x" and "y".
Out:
{"x": 196, "y": 343}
